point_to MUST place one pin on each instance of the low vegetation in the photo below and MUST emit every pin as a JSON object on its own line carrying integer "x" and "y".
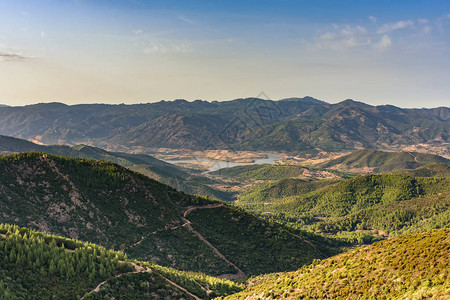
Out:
{"x": 431, "y": 170}
{"x": 374, "y": 161}
{"x": 412, "y": 266}
{"x": 276, "y": 172}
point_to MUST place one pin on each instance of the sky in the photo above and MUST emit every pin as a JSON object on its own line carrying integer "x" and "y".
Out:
{"x": 136, "y": 51}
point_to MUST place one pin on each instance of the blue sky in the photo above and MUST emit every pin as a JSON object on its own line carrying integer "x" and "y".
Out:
{"x": 135, "y": 51}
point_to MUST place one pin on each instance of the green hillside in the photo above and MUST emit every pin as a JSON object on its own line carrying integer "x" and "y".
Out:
{"x": 431, "y": 170}
{"x": 381, "y": 161}
{"x": 257, "y": 197}
{"x": 159, "y": 170}
{"x": 359, "y": 209}
{"x": 275, "y": 172}
{"x": 408, "y": 267}
{"x": 112, "y": 206}
{"x": 35, "y": 265}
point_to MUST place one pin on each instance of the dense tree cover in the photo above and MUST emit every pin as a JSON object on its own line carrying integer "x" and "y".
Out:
{"x": 358, "y": 210}
{"x": 40, "y": 266}
{"x": 412, "y": 266}
{"x": 255, "y": 198}
{"x": 35, "y": 265}
{"x": 362, "y": 192}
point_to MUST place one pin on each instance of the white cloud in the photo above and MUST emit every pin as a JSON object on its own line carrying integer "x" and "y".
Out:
{"x": 342, "y": 37}
{"x": 187, "y": 20}
{"x": 168, "y": 48}
{"x": 426, "y": 29}
{"x": 384, "y": 43}
{"x": 346, "y": 37}
{"x": 386, "y": 28}
{"x": 442, "y": 22}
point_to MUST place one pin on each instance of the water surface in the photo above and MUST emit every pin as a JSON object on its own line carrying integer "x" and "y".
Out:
{"x": 219, "y": 164}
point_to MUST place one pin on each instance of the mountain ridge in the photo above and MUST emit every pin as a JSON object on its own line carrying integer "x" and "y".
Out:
{"x": 293, "y": 124}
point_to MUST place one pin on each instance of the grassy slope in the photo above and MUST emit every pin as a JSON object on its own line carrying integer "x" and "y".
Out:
{"x": 275, "y": 172}
{"x": 256, "y": 198}
{"x": 110, "y": 205}
{"x": 382, "y": 161}
{"x": 431, "y": 170}
{"x": 412, "y": 266}
{"x": 34, "y": 265}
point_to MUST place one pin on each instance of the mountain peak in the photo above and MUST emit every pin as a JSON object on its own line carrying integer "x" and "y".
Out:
{"x": 304, "y": 99}
{"x": 49, "y": 105}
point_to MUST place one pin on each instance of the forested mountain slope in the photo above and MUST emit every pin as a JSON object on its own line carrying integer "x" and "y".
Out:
{"x": 366, "y": 206}
{"x": 107, "y": 204}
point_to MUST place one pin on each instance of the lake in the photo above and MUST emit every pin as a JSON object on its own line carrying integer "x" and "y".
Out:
{"x": 219, "y": 164}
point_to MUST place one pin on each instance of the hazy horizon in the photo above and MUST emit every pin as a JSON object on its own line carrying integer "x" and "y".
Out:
{"x": 98, "y": 51}
{"x": 192, "y": 100}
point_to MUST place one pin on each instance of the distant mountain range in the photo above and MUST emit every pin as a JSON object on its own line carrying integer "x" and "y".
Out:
{"x": 294, "y": 125}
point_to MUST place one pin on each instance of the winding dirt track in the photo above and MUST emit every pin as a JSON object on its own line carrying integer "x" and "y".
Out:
{"x": 415, "y": 158}
{"x": 140, "y": 269}
{"x": 240, "y": 274}
{"x": 186, "y": 223}
{"x": 208, "y": 206}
